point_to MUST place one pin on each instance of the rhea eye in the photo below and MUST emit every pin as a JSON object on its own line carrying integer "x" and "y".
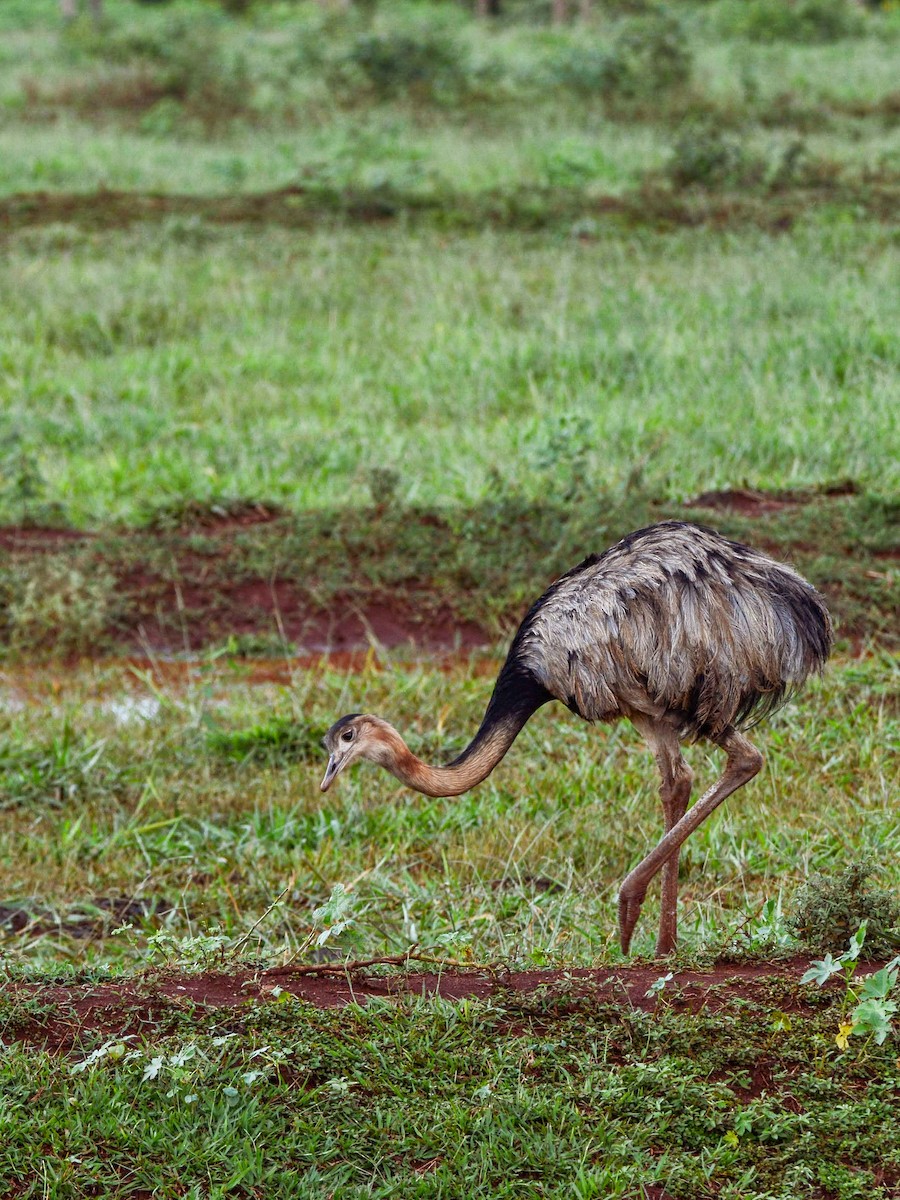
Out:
{"x": 347, "y": 735}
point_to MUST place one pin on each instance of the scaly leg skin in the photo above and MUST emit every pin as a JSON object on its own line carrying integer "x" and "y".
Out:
{"x": 743, "y": 761}
{"x": 676, "y": 778}
{"x": 675, "y": 797}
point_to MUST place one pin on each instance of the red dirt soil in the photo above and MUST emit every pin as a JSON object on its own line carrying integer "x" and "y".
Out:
{"x": 188, "y": 582}
{"x": 113, "y": 1009}
{"x": 185, "y": 615}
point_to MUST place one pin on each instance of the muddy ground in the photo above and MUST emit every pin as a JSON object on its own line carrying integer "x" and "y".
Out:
{"x": 299, "y": 207}
{"x": 155, "y": 999}
{"x": 266, "y": 581}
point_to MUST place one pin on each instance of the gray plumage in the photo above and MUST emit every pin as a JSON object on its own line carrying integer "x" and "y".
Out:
{"x": 685, "y": 633}
{"x": 679, "y": 624}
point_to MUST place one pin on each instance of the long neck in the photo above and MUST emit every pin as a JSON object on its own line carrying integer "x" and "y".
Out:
{"x": 515, "y": 698}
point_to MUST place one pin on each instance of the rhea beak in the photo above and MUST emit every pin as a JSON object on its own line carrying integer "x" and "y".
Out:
{"x": 334, "y": 765}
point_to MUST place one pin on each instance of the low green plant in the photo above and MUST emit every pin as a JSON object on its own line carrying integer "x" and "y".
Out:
{"x": 59, "y": 773}
{"x": 176, "y": 61}
{"x": 706, "y": 155}
{"x": 277, "y": 740}
{"x": 789, "y": 20}
{"x": 825, "y": 910}
{"x": 648, "y": 55}
{"x": 652, "y": 54}
{"x": 587, "y": 69}
{"x": 23, "y": 488}
{"x": 427, "y": 63}
{"x": 868, "y": 1005}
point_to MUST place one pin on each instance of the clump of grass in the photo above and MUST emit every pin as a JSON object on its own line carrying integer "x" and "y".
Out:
{"x": 790, "y": 20}
{"x": 145, "y": 321}
{"x": 183, "y": 66}
{"x": 828, "y": 910}
{"x": 705, "y": 155}
{"x": 427, "y": 64}
{"x": 274, "y": 742}
{"x": 68, "y": 769}
{"x": 649, "y": 55}
{"x": 56, "y": 605}
{"x": 23, "y": 488}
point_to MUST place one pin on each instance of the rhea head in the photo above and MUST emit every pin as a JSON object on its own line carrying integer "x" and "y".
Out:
{"x": 359, "y": 735}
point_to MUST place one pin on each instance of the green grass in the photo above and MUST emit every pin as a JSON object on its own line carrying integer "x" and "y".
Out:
{"x": 466, "y": 364}
{"x": 203, "y": 801}
{"x": 191, "y": 580}
{"x": 551, "y": 342}
{"x": 250, "y": 105}
{"x": 197, "y": 802}
{"x": 464, "y": 1100}
{"x": 433, "y": 1099}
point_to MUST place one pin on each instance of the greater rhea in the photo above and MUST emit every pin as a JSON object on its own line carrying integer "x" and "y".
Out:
{"x": 685, "y": 633}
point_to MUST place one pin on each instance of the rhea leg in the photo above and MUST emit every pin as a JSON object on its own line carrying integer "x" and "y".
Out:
{"x": 675, "y": 791}
{"x": 676, "y": 778}
{"x": 743, "y": 761}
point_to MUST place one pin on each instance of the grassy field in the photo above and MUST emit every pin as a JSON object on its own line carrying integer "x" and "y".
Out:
{"x": 388, "y": 317}
{"x": 204, "y": 795}
{"x": 467, "y": 365}
{"x": 174, "y": 826}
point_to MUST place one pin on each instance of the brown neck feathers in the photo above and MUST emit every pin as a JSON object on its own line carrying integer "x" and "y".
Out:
{"x": 516, "y": 697}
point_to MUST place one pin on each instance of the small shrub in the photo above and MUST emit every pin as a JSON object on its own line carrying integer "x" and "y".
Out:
{"x": 648, "y": 55}
{"x": 704, "y": 155}
{"x": 571, "y": 164}
{"x": 175, "y": 60}
{"x": 826, "y": 911}
{"x": 425, "y": 63}
{"x": 23, "y": 488}
{"x": 790, "y": 20}
{"x": 587, "y": 70}
{"x": 654, "y": 53}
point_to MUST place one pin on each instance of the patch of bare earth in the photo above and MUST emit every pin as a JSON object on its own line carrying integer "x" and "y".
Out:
{"x": 116, "y": 1009}
{"x": 205, "y": 574}
{"x": 751, "y": 503}
{"x": 201, "y": 602}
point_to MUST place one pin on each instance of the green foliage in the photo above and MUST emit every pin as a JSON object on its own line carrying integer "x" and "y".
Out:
{"x": 652, "y": 54}
{"x": 108, "y": 777}
{"x": 66, "y": 771}
{"x": 431, "y": 1098}
{"x": 164, "y": 351}
{"x": 868, "y": 1006}
{"x": 277, "y": 741}
{"x": 789, "y": 20}
{"x": 23, "y": 488}
{"x": 648, "y": 56}
{"x": 61, "y": 604}
{"x": 706, "y": 155}
{"x": 427, "y": 64}
{"x": 152, "y": 68}
{"x": 826, "y": 909}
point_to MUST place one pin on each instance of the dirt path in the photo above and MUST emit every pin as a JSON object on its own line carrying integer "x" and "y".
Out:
{"x": 148, "y": 1001}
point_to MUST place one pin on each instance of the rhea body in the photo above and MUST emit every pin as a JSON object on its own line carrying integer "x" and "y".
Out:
{"x": 685, "y": 633}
